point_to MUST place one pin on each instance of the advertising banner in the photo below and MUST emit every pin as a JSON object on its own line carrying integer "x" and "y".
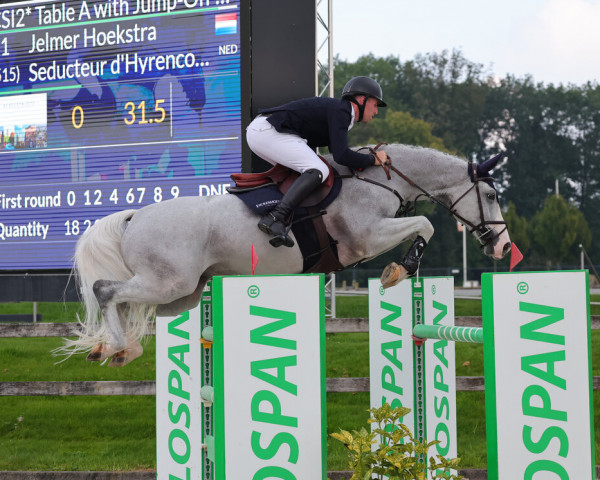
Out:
{"x": 269, "y": 374}
{"x": 179, "y": 411}
{"x": 539, "y": 402}
{"x": 391, "y": 349}
{"x": 417, "y": 376}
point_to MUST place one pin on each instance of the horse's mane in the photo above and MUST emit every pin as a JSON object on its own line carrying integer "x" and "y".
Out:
{"x": 423, "y": 152}
{"x": 423, "y": 157}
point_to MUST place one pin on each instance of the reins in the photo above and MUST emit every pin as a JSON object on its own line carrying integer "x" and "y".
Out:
{"x": 482, "y": 228}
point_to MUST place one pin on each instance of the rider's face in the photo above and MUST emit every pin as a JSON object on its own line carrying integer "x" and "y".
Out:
{"x": 370, "y": 109}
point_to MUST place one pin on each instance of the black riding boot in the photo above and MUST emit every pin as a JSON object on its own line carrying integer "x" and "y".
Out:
{"x": 277, "y": 221}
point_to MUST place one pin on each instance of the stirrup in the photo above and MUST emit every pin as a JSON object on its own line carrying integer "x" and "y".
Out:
{"x": 279, "y": 231}
{"x": 281, "y": 236}
{"x": 280, "y": 240}
{"x": 265, "y": 223}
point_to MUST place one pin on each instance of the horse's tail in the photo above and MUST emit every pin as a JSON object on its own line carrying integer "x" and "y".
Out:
{"x": 98, "y": 257}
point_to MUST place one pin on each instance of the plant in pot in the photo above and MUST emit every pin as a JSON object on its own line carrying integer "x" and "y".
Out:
{"x": 398, "y": 455}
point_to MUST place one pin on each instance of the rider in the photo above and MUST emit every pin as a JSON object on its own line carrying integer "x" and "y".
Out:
{"x": 287, "y": 134}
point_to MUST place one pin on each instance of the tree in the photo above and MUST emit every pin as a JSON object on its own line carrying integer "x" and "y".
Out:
{"x": 578, "y": 112}
{"x": 557, "y": 231}
{"x": 445, "y": 90}
{"x": 384, "y": 70}
{"x": 518, "y": 228}
{"x": 397, "y": 127}
{"x": 549, "y": 134}
{"x": 517, "y": 122}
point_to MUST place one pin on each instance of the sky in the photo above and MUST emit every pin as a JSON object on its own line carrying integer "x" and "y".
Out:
{"x": 554, "y": 41}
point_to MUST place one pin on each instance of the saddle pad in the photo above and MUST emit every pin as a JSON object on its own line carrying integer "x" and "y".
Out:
{"x": 318, "y": 248}
{"x": 262, "y": 200}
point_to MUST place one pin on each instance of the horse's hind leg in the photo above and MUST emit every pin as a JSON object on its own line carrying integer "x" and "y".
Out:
{"x": 133, "y": 348}
{"x": 182, "y": 304}
{"x": 103, "y": 289}
{"x": 134, "y": 293}
{"x": 102, "y": 351}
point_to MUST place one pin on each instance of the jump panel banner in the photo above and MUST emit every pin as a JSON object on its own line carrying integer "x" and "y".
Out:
{"x": 421, "y": 378}
{"x": 391, "y": 347}
{"x": 440, "y": 368}
{"x": 269, "y": 361}
{"x": 178, "y": 405}
{"x": 539, "y": 402}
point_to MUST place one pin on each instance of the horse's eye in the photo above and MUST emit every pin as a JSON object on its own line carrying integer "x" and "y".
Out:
{"x": 491, "y": 196}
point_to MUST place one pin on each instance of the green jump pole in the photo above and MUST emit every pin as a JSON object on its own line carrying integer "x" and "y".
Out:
{"x": 454, "y": 334}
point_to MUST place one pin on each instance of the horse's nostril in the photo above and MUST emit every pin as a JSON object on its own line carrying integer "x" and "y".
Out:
{"x": 506, "y": 248}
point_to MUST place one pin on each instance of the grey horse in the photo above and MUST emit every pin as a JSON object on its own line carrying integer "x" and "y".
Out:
{"x": 135, "y": 264}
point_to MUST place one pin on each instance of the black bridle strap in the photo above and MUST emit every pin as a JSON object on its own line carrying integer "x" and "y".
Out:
{"x": 375, "y": 182}
{"x": 483, "y": 223}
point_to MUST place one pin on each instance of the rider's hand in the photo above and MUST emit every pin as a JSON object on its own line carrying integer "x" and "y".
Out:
{"x": 380, "y": 158}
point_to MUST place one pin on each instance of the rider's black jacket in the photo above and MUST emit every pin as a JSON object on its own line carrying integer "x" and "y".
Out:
{"x": 323, "y": 122}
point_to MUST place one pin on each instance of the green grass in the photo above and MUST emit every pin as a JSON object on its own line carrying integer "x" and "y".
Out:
{"x": 50, "y": 311}
{"x": 118, "y": 433}
{"x": 347, "y": 411}
{"x": 29, "y": 359}
{"x": 349, "y": 307}
{"x": 77, "y": 433}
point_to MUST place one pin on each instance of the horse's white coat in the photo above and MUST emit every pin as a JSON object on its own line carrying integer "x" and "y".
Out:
{"x": 157, "y": 259}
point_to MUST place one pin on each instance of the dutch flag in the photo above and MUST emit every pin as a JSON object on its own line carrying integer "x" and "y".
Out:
{"x": 226, "y": 24}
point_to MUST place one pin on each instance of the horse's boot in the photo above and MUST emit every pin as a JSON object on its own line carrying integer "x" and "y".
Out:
{"x": 278, "y": 221}
{"x": 412, "y": 259}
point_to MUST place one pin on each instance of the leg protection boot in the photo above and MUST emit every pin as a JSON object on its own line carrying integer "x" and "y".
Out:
{"x": 412, "y": 259}
{"x": 278, "y": 221}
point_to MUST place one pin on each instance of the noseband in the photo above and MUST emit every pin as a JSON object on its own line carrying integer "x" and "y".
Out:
{"x": 485, "y": 234}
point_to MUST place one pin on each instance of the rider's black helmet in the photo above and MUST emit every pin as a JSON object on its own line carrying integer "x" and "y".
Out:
{"x": 364, "y": 86}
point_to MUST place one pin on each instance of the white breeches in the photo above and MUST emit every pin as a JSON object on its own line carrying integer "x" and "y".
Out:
{"x": 287, "y": 149}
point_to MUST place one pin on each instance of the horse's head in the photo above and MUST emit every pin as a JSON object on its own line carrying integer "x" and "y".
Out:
{"x": 479, "y": 211}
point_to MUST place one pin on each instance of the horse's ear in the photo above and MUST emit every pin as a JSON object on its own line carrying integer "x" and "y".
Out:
{"x": 471, "y": 170}
{"x": 483, "y": 170}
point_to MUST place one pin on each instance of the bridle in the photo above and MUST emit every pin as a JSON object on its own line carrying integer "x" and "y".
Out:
{"x": 484, "y": 233}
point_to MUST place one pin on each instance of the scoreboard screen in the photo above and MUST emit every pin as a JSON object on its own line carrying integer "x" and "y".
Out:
{"x": 108, "y": 105}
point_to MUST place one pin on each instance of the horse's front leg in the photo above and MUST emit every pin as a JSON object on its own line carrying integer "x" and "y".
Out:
{"x": 390, "y": 232}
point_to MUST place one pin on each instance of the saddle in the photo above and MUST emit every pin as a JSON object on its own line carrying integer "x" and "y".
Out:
{"x": 262, "y": 191}
{"x": 282, "y": 177}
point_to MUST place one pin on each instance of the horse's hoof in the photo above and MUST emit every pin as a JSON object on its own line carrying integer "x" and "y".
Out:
{"x": 97, "y": 353}
{"x": 94, "y": 357}
{"x": 393, "y": 274}
{"x": 100, "y": 352}
{"x": 119, "y": 359}
{"x": 126, "y": 356}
